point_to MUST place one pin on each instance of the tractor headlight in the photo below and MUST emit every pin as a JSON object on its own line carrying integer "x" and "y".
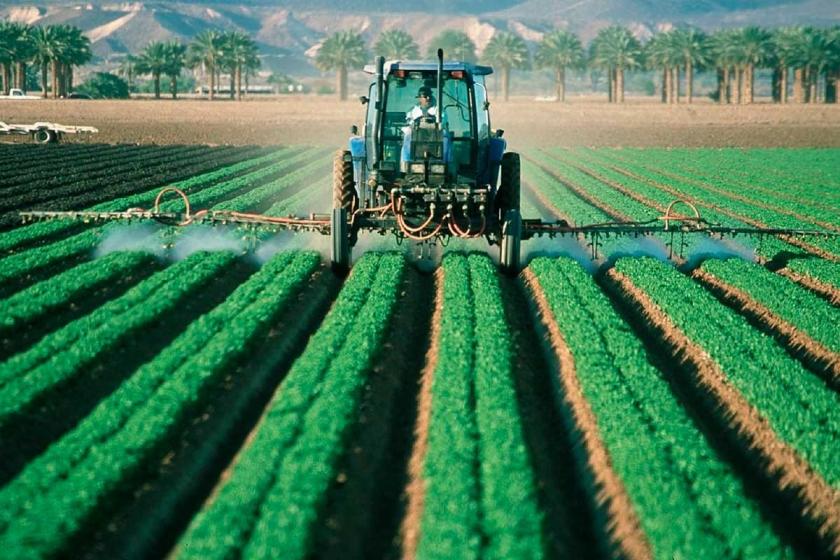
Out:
{"x": 438, "y": 168}
{"x": 417, "y": 168}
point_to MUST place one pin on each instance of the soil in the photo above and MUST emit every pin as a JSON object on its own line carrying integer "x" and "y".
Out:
{"x": 325, "y": 121}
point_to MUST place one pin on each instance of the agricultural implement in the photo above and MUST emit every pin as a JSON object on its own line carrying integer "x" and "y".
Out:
{"x": 45, "y": 132}
{"x": 431, "y": 170}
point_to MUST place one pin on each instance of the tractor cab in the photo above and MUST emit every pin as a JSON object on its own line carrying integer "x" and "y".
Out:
{"x": 403, "y": 143}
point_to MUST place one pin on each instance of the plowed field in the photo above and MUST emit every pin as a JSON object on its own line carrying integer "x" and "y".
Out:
{"x": 208, "y": 393}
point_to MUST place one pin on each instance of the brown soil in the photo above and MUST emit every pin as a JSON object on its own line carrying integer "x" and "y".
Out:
{"x": 827, "y": 291}
{"x": 325, "y": 121}
{"x": 823, "y": 360}
{"x": 416, "y": 487}
{"x": 623, "y": 528}
{"x": 818, "y": 502}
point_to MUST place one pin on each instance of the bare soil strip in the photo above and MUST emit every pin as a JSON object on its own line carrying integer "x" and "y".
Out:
{"x": 814, "y": 354}
{"x": 815, "y": 502}
{"x": 622, "y": 528}
{"x": 788, "y": 239}
{"x": 567, "y": 525}
{"x": 416, "y": 488}
{"x": 822, "y": 289}
{"x": 195, "y": 466}
{"x": 364, "y": 508}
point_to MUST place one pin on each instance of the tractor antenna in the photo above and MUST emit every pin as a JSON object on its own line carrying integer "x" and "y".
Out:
{"x": 438, "y": 111}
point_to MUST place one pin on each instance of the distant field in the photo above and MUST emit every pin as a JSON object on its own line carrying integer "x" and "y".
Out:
{"x": 325, "y": 122}
{"x": 168, "y": 392}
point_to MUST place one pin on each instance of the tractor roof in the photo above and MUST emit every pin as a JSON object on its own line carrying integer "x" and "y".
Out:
{"x": 430, "y": 66}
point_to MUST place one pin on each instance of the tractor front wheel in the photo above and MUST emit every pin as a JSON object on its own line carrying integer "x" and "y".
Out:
{"x": 344, "y": 203}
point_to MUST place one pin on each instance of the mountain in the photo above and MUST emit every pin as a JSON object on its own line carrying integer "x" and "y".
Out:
{"x": 287, "y": 31}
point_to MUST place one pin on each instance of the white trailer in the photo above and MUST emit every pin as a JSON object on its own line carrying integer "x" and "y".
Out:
{"x": 45, "y": 132}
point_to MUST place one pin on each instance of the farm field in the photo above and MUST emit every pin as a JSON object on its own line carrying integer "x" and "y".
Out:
{"x": 213, "y": 393}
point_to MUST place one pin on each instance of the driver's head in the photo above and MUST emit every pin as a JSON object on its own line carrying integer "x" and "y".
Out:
{"x": 424, "y": 96}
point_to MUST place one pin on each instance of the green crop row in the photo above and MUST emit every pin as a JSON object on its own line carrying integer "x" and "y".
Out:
{"x": 690, "y": 504}
{"x": 48, "y": 297}
{"x": 824, "y": 271}
{"x": 28, "y": 261}
{"x": 599, "y": 162}
{"x": 477, "y": 470}
{"x": 58, "y": 494}
{"x": 790, "y": 302}
{"x": 738, "y": 207}
{"x": 269, "y": 504}
{"x": 62, "y": 355}
{"x": 800, "y": 408}
{"x": 9, "y": 241}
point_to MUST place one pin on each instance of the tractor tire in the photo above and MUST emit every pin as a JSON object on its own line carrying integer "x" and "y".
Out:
{"x": 340, "y": 248}
{"x": 344, "y": 187}
{"x": 511, "y": 241}
{"x": 507, "y": 197}
{"x": 44, "y": 136}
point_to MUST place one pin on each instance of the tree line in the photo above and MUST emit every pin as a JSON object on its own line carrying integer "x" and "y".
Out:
{"x": 805, "y": 61}
{"x": 811, "y": 55}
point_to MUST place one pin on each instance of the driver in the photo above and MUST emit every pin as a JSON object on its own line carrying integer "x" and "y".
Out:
{"x": 425, "y": 105}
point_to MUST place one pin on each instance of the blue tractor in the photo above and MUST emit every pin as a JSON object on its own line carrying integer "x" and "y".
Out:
{"x": 427, "y": 175}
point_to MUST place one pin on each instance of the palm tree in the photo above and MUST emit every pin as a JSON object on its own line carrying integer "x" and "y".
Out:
{"x": 560, "y": 50}
{"x": 205, "y": 51}
{"x": 153, "y": 60}
{"x": 175, "y": 54}
{"x": 251, "y": 65}
{"x": 507, "y": 51}
{"x": 456, "y": 45}
{"x": 75, "y": 52}
{"x": 784, "y": 44}
{"x": 239, "y": 49}
{"x": 690, "y": 47}
{"x": 396, "y": 44}
{"x": 722, "y": 49}
{"x": 127, "y": 69}
{"x": 342, "y": 50}
{"x": 660, "y": 54}
{"x": 832, "y": 78}
{"x": 16, "y": 49}
{"x": 615, "y": 49}
{"x": 752, "y": 47}
{"x": 46, "y": 46}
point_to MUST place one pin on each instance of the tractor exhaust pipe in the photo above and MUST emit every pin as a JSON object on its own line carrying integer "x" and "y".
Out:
{"x": 438, "y": 111}
{"x": 377, "y": 115}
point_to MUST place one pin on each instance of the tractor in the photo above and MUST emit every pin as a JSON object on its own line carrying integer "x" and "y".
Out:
{"x": 429, "y": 175}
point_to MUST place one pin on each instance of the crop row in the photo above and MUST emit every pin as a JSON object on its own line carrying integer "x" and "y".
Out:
{"x": 755, "y": 188}
{"x": 778, "y": 410}
{"x": 60, "y": 356}
{"x": 59, "y": 493}
{"x": 476, "y": 453}
{"x": 73, "y": 247}
{"x": 9, "y": 241}
{"x": 83, "y": 193}
{"x": 807, "y": 323}
{"x": 631, "y": 423}
{"x": 29, "y": 157}
{"x": 279, "y": 483}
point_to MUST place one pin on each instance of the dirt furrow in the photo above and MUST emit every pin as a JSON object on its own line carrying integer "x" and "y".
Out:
{"x": 812, "y": 504}
{"x": 799, "y": 344}
{"x": 620, "y": 524}
{"x": 416, "y": 486}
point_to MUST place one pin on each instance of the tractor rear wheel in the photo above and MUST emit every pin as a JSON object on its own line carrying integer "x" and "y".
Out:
{"x": 507, "y": 197}
{"x": 511, "y": 240}
{"x": 344, "y": 203}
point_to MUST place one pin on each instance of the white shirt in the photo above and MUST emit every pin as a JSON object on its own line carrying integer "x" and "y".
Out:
{"x": 417, "y": 112}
